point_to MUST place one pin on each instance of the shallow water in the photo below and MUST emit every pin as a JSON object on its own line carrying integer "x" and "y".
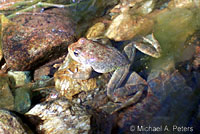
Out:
{"x": 173, "y": 79}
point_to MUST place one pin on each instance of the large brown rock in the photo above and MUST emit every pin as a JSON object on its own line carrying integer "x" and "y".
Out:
{"x": 33, "y": 38}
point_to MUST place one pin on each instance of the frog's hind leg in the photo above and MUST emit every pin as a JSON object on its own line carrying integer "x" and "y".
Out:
{"x": 149, "y": 45}
{"x": 133, "y": 91}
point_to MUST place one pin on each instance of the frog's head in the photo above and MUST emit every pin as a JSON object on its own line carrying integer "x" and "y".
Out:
{"x": 77, "y": 52}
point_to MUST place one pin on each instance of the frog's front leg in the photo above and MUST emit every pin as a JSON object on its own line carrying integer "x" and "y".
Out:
{"x": 131, "y": 92}
{"x": 79, "y": 71}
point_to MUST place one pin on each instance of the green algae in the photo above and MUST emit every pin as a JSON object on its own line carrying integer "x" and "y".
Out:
{"x": 173, "y": 27}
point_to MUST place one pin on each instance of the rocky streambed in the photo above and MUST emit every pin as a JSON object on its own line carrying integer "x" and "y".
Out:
{"x": 99, "y": 67}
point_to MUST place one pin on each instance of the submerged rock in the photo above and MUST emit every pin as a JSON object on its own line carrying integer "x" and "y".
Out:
{"x": 68, "y": 86}
{"x": 126, "y": 26}
{"x": 47, "y": 70}
{"x": 184, "y": 4}
{"x": 177, "y": 99}
{"x": 19, "y": 78}
{"x": 33, "y": 38}
{"x": 6, "y": 96}
{"x": 22, "y": 99}
{"x": 11, "y": 124}
{"x": 59, "y": 117}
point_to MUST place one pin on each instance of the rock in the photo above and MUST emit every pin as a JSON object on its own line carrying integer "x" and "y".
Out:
{"x": 11, "y": 124}
{"x": 30, "y": 40}
{"x": 125, "y": 27}
{"x": 96, "y": 31}
{"x": 183, "y": 4}
{"x": 177, "y": 100}
{"x": 7, "y": 98}
{"x": 23, "y": 95}
{"x": 22, "y": 99}
{"x": 19, "y": 78}
{"x": 140, "y": 114}
{"x": 59, "y": 117}
{"x": 47, "y": 70}
{"x": 67, "y": 86}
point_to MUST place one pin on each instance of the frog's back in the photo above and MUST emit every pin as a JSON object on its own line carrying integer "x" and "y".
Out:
{"x": 109, "y": 60}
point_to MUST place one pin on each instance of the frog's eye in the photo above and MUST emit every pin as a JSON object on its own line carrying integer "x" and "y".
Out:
{"x": 76, "y": 52}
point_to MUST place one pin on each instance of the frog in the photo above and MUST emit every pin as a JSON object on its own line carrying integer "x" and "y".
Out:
{"x": 100, "y": 58}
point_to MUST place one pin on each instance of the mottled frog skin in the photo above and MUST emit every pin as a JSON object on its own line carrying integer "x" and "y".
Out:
{"x": 100, "y": 58}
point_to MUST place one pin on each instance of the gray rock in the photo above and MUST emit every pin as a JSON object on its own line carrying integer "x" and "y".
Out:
{"x": 59, "y": 117}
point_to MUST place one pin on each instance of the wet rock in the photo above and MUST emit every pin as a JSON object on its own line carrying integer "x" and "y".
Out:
{"x": 183, "y": 4}
{"x": 19, "y": 78}
{"x": 33, "y": 38}
{"x": 59, "y": 116}
{"x": 96, "y": 31}
{"x": 138, "y": 114}
{"x": 24, "y": 94}
{"x": 126, "y": 26}
{"x": 177, "y": 99}
{"x": 67, "y": 86}
{"x": 22, "y": 99}
{"x": 164, "y": 64}
{"x": 47, "y": 70}
{"x": 11, "y": 124}
{"x": 193, "y": 40}
{"x": 138, "y": 7}
{"x": 7, "y": 98}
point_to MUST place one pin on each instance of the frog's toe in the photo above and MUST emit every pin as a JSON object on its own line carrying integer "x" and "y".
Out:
{"x": 149, "y": 45}
{"x": 126, "y": 93}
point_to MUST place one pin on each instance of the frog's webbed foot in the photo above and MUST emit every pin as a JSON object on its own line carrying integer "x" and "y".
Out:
{"x": 130, "y": 93}
{"x": 149, "y": 45}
